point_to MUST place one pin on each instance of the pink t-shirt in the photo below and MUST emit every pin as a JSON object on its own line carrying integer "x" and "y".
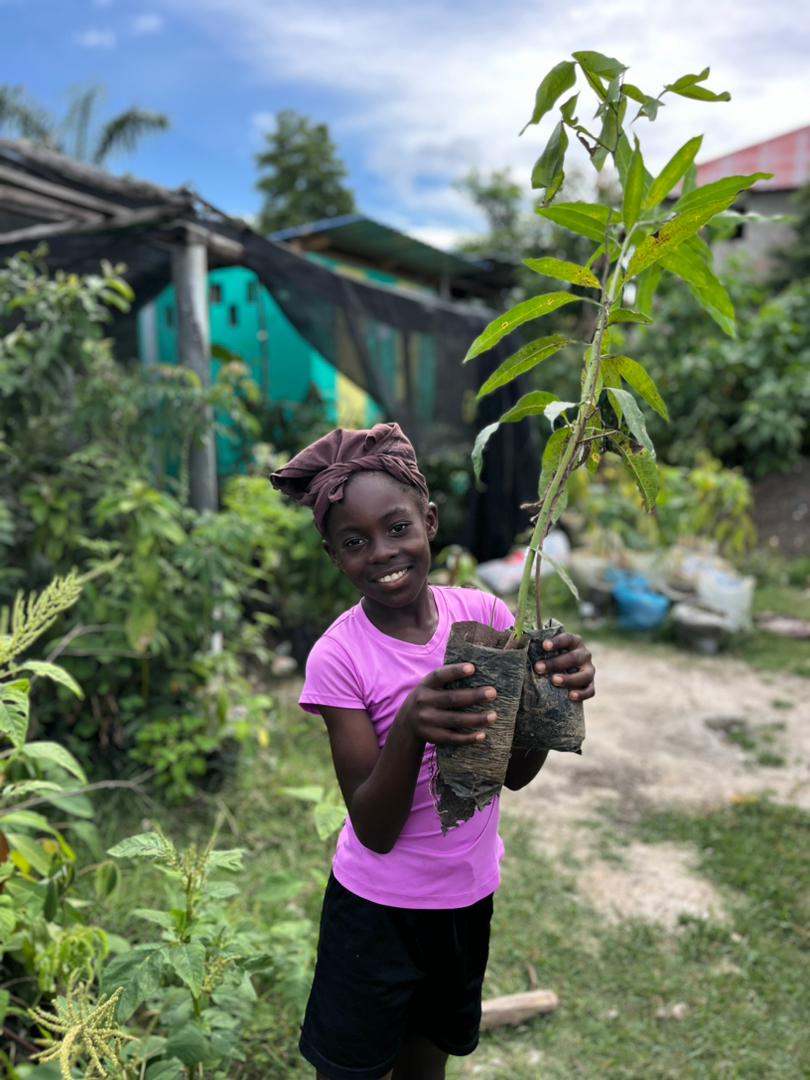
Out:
{"x": 356, "y": 666}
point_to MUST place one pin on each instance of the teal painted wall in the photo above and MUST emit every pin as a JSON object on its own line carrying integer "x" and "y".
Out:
{"x": 246, "y": 320}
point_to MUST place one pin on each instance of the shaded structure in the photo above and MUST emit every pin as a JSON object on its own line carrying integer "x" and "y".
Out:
{"x": 85, "y": 215}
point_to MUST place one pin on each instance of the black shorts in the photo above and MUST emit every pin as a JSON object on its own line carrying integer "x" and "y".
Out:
{"x": 384, "y": 972}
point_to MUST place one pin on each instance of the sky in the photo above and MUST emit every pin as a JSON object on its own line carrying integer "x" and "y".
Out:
{"x": 415, "y": 94}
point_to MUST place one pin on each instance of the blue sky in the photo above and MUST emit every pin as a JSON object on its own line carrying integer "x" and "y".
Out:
{"x": 415, "y": 94}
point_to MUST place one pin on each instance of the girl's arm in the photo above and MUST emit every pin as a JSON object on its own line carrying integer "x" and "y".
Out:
{"x": 378, "y": 784}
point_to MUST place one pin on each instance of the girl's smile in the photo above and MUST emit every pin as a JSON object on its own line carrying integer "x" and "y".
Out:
{"x": 379, "y": 535}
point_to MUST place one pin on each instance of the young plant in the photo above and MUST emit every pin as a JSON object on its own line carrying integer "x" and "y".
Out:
{"x": 647, "y": 232}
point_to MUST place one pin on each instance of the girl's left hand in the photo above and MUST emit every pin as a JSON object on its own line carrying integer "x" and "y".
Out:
{"x": 574, "y": 658}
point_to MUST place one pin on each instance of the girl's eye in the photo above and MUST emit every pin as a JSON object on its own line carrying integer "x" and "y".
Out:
{"x": 353, "y": 542}
{"x": 400, "y": 527}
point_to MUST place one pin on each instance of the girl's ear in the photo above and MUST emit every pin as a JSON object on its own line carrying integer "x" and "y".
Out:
{"x": 432, "y": 521}
{"x": 330, "y": 551}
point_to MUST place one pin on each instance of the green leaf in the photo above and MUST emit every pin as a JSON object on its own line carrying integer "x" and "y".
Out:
{"x": 533, "y": 308}
{"x": 564, "y": 271}
{"x": 14, "y": 707}
{"x": 627, "y": 315}
{"x": 522, "y": 361}
{"x": 687, "y": 86}
{"x": 562, "y": 573}
{"x": 26, "y": 819}
{"x": 723, "y": 191}
{"x": 53, "y": 672}
{"x": 188, "y": 963}
{"x": 636, "y": 376}
{"x": 552, "y": 453}
{"x": 148, "y": 845}
{"x": 189, "y": 1045}
{"x": 584, "y": 219}
{"x": 308, "y": 793}
{"x": 561, "y": 78}
{"x": 645, "y": 288}
{"x": 556, "y": 408}
{"x": 329, "y": 817}
{"x": 481, "y": 440}
{"x": 641, "y": 466}
{"x": 599, "y": 64}
{"x": 532, "y": 404}
{"x": 673, "y": 171}
{"x": 31, "y": 851}
{"x": 165, "y": 1070}
{"x": 548, "y": 172}
{"x": 51, "y": 753}
{"x": 8, "y": 920}
{"x": 145, "y": 980}
{"x": 649, "y": 105}
{"x": 160, "y": 918}
{"x": 106, "y": 880}
{"x": 73, "y": 804}
{"x": 633, "y": 189}
{"x": 29, "y": 787}
{"x": 227, "y": 859}
{"x": 633, "y": 417}
{"x": 685, "y": 225}
{"x": 687, "y": 263}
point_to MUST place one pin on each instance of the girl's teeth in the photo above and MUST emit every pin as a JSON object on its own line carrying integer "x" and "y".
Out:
{"x": 393, "y": 577}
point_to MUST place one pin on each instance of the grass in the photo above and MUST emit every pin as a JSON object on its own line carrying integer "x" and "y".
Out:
{"x": 744, "y": 986}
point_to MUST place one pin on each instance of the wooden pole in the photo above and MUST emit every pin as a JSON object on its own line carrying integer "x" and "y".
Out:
{"x": 190, "y": 276}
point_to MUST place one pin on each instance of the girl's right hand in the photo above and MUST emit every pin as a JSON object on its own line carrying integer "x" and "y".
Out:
{"x": 435, "y": 714}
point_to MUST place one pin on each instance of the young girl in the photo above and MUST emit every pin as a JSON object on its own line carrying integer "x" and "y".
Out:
{"x": 404, "y": 933}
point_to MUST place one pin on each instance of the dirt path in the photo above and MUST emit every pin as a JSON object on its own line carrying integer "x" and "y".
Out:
{"x": 666, "y": 730}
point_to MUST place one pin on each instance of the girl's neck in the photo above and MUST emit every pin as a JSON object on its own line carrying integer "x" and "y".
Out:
{"x": 415, "y": 623}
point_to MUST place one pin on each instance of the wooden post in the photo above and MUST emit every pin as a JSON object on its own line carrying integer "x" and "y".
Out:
{"x": 190, "y": 276}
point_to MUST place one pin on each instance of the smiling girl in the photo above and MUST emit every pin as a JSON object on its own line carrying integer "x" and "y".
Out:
{"x": 404, "y": 933}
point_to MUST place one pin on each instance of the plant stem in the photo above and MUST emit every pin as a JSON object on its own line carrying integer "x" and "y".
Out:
{"x": 567, "y": 462}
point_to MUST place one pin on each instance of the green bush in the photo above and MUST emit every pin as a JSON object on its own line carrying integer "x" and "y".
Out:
{"x": 706, "y": 502}
{"x": 745, "y": 400}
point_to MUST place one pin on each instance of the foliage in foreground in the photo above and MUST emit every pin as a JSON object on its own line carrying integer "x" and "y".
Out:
{"x": 168, "y": 1001}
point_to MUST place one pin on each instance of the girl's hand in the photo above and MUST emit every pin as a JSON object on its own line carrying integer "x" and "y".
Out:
{"x": 432, "y": 713}
{"x": 572, "y": 669}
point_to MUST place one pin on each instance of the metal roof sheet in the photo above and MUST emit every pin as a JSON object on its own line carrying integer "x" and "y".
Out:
{"x": 363, "y": 237}
{"x": 786, "y": 156}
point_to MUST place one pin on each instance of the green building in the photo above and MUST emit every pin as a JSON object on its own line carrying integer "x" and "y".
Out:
{"x": 246, "y": 321}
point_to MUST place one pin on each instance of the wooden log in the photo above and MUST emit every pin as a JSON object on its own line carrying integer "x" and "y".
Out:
{"x": 61, "y": 193}
{"x": 68, "y": 169}
{"x": 514, "y": 1009}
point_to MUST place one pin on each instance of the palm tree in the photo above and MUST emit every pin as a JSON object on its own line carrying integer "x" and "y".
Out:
{"x": 74, "y": 134}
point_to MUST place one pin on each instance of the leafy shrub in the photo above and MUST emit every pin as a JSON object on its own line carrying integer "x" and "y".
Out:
{"x": 706, "y": 502}
{"x": 94, "y": 475}
{"x": 745, "y": 400}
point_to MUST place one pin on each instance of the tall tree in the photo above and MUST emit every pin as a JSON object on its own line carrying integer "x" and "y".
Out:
{"x": 304, "y": 178}
{"x": 76, "y": 133}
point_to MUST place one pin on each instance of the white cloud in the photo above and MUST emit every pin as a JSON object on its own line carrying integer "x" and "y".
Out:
{"x": 147, "y": 24}
{"x": 431, "y": 89}
{"x": 96, "y": 39}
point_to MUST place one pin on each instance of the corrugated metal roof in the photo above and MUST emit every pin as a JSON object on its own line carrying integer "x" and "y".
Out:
{"x": 786, "y": 156}
{"x": 355, "y": 234}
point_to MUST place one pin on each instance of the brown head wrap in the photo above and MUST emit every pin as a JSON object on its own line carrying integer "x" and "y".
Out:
{"x": 317, "y": 475}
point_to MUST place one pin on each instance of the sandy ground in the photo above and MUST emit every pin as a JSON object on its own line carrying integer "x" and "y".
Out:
{"x": 657, "y": 737}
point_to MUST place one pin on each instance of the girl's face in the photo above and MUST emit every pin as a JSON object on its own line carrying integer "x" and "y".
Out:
{"x": 379, "y": 535}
